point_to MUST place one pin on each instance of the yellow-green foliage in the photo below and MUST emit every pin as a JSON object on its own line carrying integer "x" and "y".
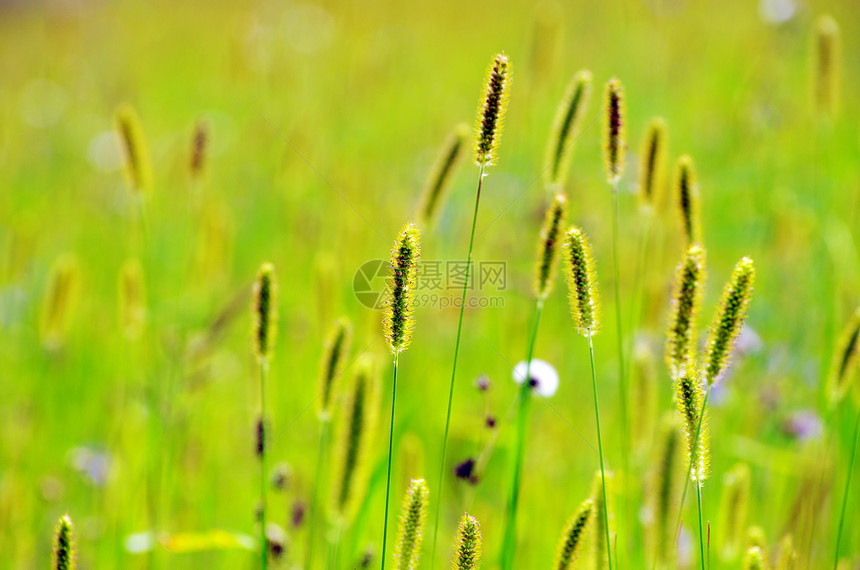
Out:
{"x": 734, "y": 506}
{"x": 827, "y": 60}
{"x": 491, "y": 110}
{"x": 664, "y": 492}
{"x": 548, "y": 246}
{"x": 787, "y": 557}
{"x": 132, "y": 299}
{"x": 644, "y": 395}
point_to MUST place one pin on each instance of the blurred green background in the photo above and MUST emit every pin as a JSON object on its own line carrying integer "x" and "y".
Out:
{"x": 324, "y": 120}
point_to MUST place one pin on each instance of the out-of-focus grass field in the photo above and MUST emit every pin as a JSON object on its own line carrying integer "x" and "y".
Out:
{"x": 324, "y": 121}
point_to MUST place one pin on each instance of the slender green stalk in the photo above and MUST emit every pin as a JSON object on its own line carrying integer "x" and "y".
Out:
{"x": 845, "y": 495}
{"x": 692, "y": 456}
{"x": 509, "y": 545}
{"x": 600, "y": 451}
{"x": 390, "y": 453}
{"x": 622, "y": 377}
{"x": 323, "y": 444}
{"x": 454, "y": 370}
{"x": 701, "y": 532}
{"x": 264, "y": 547}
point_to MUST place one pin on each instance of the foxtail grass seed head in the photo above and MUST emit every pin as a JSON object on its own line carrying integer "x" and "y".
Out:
{"x": 729, "y": 319}
{"x": 684, "y": 311}
{"x": 755, "y": 559}
{"x": 467, "y": 555}
{"x": 491, "y": 110}
{"x": 734, "y": 508}
{"x": 336, "y": 353}
{"x": 663, "y": 492}
{"x": 614, "y": 126}
{"x": 572, "y": 539}
{"x": 688, "y": 399}
{"x": 410, "y": 533}
{"x": 138, "y": 168}
{"x": 356, "y": 427}
{"x": 786, "y": 559}
{"x": 399, "y": 320}
{"x": 132, "y": 299}
{"x": 265, "y": 312}
{"x": 260, "y": 436}
{"x": 550, "y": 238}
{"x": 687, "y": 195}
{"x": 199, "y": 143}
{"x": 64, "y": 545}
{"x": 600, "y": 551}
{"x": 581, "y": 282}
{"x": 652, "y": 164}
{"x": 60, "y": 302}
{"x": 828, "y": 58}
{"x": 442, "y": 175}
{"x": 566, "y": 128}
{"x": 845, "y": 359}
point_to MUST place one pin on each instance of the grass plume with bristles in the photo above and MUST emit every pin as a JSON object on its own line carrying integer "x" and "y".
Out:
{"x": 614, "y": 130}
{"x": 729, "y": 319}
{"x": 581, "y": 282}
{"x": 334, "y": 357}
{"x": 442, "y": 175}
{"x": 601, "y": 553}
{"x": 734, "y": 506}
{"x": 572, "y": 539}
{"x": 548, "y": 247}
{"x": 265, "y": 316}
{"x": 399, "y": 320}
{"x": 64, "y": 557}
{"x": 357, "y": 425}
{"x": 845, "y": 359}
{"x": 687, "y": 195}
{"x": 59, "y": 302}
{"x": 264, "y": 312}
{"x": 491, "y": 111}
{"x": 652, "y": 164}
{"x": 138, "y": 168}
{"x": 585, "y": 310}
{"x": 132, "y": 299}
{"x": 467, "y": 553}
{"x": 827, "y": 60}
{"x": 663, "y": 492}
{"x": 398, "y": 323}
{"x": 336, "y": 353}
{"x": 689, "y": 401}
{"x": 566, "y": 129}
{"x": 199, "y": 144}
{"x": 684, "y": 311}
{"x": 410, "y": 535}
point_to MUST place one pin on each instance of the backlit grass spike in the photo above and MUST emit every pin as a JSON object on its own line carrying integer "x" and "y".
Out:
{"x": 845, "y": 359}
{"x": 491, "y": 110}
{"x": 572, "y": 539}
{"x": 64, "y": 545}
{"x": 399, "y": 320}
{"x": 614, "y": 130}
{"x": 467, "y": 555}
{"x": 827, "y": 60}
{"x": 652, "y": 163}
{"x": 548, "y": 247}
{"x": 410, "y": 534}
{"x": 138, "y": 168}
{"x": 442, "y": 175}
{"x": 336, "y": 353}
{"x": 566, "y": 129}
{"x": 60, "y": 302}
{"x": 265, "y": 312}
{"x": 688, "y": 399}
{"x": 729, "y": 319}
{"x": 687, "y": 196}
{"x": 684, "y": 312}
{"x": 581, "y": 282}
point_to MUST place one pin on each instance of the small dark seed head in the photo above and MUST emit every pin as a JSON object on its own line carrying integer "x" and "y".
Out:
{"x": 652, "y": 163}
{"x": 566, "y": 128}
{"x": 687, "y": 195}
{"x": 614, "y": 126}
{"x": 491, "y": 111}
{"x": 572, "y": 539}
{"x": 548, "y": 246}
{"x": 265, "y": 312}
